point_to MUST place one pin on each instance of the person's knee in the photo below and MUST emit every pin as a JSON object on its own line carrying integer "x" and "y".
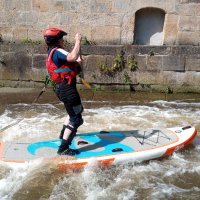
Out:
{"x": 78, "y": 121}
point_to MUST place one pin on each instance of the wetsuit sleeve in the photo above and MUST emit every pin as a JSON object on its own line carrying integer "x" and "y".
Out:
{"x": 62, "y": 54}
{"x": 60, "y": 57}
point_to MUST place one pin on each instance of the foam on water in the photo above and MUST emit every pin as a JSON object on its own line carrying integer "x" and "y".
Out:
{"x": 173, "y": 177}
{"x": 14, "y": 179}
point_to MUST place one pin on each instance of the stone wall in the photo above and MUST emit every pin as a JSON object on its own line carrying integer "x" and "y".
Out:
{"x": 160, "y": 68}
{"x": 102, "y": 21}
{"x": 113, "y": 61}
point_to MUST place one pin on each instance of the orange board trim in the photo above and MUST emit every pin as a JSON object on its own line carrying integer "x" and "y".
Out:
{"x": 1, "y": 150}
{"x": 171, "y": 150}
{"x": 106, "y": 161}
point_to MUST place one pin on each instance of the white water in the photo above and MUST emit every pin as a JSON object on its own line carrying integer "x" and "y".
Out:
{"x": 176, "y": 177}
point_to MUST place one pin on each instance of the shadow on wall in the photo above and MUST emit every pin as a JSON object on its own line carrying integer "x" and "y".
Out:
{"x": 149, "y": 24}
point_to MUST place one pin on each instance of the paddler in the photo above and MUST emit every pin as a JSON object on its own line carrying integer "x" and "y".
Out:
{"x": 63, "y": 67}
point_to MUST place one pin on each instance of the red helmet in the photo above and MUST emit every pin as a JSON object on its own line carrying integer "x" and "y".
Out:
{"x": 52, "y": 35}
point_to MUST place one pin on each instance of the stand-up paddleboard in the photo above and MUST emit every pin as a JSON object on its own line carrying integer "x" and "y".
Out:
{"x": 104, "y": 147}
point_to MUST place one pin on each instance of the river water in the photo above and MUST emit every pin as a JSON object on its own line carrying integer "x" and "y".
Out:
{"x": 174, "y": 177}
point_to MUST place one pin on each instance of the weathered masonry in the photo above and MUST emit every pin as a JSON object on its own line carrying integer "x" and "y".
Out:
{"x": 173, "y": 68}
{"x": 172, "y": 22}
{"x": 138, "y": 44}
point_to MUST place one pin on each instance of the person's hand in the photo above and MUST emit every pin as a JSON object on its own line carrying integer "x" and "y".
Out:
{"x": 79, "y": 59}
{"x": 78, "y": 37}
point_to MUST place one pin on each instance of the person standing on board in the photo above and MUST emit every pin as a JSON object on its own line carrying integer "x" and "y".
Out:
{"x": 63, "y": 67}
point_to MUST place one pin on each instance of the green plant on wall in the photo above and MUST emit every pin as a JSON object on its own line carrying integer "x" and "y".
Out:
{"x": 132, "y": 64}
{"x": 118, "y": 65}
{"x": 66, "y": 43}
{"x": 144, "y": 85}
{"x": 94, "y": 76}
{"x": 105, "y": 69}
{"x": 47, "y": 80}
{"x": 169, "y": 90}
{"x": 151, "y": 53}
{"x": 30, "y": 41}
{"x": 85, "y": 41}
{"x": 126, "y": 78}
{"x": 119, "y": 62}
{"x": 1, "y": 38}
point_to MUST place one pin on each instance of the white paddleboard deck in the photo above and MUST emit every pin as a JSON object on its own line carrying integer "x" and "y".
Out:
{"x": 106, "y": 147}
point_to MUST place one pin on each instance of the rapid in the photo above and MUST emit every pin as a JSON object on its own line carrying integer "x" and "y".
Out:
{"x": 173, "y": 177}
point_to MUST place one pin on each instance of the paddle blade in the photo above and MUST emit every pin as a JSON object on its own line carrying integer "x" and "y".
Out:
{"x": 87, "y": 85}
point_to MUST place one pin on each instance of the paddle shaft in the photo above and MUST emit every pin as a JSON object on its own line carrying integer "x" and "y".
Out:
{"x": 87, "y": 85}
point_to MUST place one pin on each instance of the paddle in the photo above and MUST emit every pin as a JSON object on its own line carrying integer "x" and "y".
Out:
{"x": 46, "y": 82}
{"x": 87, "y": 85}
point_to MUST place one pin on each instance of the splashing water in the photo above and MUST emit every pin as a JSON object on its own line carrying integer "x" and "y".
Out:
{"x": 175, "y": 177}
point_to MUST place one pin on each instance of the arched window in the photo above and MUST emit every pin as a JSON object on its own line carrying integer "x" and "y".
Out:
{"x": 149, "y": 24}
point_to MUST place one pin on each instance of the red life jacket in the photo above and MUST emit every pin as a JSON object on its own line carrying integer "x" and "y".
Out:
{"x": 67, "y": 71}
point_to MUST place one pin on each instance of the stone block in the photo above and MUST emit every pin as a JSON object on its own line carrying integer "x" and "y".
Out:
{"x": 146, "y": 78}
{"x": 174, "y": 63}
{"x": 126, "y": 37}
{"x": 6, "y": 34}
{"x": 127, "y": 29}
{"x": 1, "y": 5}
{"x": 106, "y": 34}
{"x": 185, "y": 50}
{"x": 198, "y": 10}
{"x": 20, "y": 33}
{"x": 100, "y": 6}
{"x": 27, "y": 19}
{"x": 146, "y": 50}
{"x": 109, "y": 60}
{"x": 48, "y": 19}
{"x": 188, "y": 38}
{"x": 40, "y": 5}
{"x": 113, "y": 19}
{"x": 20, "y": 47}
{"x": 129, "y": 77}
{"x": 93, "y": 63}
{"x": 121, "y": 6}
{"x": 56, "y": 6}
{"x": 193, "y": 79}
{"x": 39, "y": 61}
{"x": 39, "y": 49}
{"x": 35, "y": 35}
{"x": 3, "y": 17}
{"x": 170, "y": 29}
{"x": 38, "y": 74}
{"x": 154, "y": 63}
{"x": 189, "y": 1}
{"x": 82, "y": 6}
{"x": 83, "y": 30}
{"x": 188, "y": 23}
{"x": 4, "y": 47}
{"x": 169, "y": 6}
{"x": 169, "y": 78}
{"x": 101, "y": 49}
{"x": 141, "y": 62}
{"x": 92, "y": 18}
{"x": 19, "y": 5}
{"x": 67, "y": 18}
{"x": 186, "y": 9}
{"x": 192, "y": 63}
{"x": 18, "y": 66}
